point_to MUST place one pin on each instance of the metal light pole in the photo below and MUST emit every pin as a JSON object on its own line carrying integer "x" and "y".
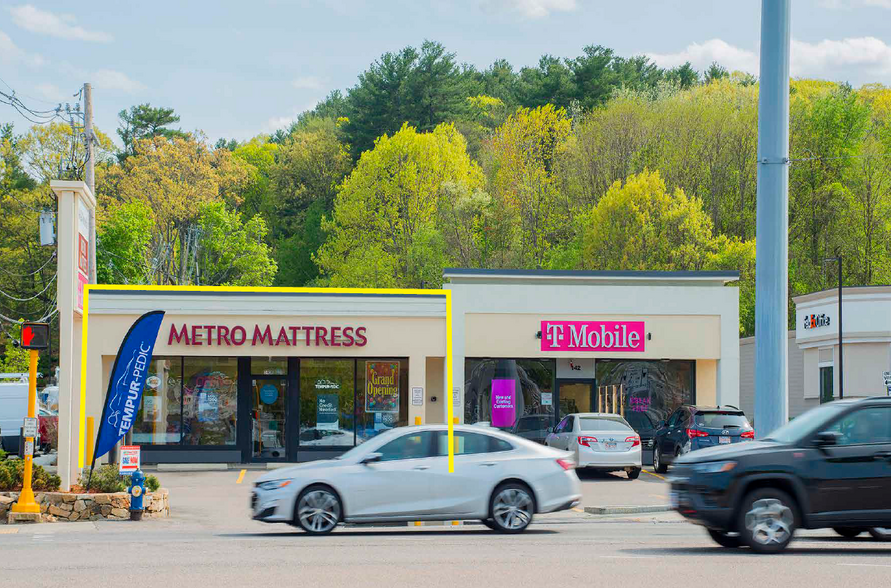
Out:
{"x": 841, "y": 356}
{"x": 772, "y": 228}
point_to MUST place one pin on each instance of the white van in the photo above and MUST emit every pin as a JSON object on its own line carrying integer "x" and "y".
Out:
{"x": 13, "y": 409}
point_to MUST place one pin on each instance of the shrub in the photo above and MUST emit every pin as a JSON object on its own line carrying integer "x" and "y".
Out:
{"x": 12, "y": 476}
{"x": 107, "y": 479}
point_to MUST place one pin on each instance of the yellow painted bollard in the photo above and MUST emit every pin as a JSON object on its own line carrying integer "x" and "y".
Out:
{"x": 26, "y": 503}
{"x": 90, "y": 439}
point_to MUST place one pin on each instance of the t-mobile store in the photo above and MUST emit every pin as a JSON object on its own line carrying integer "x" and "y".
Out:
{"x": 292, "y": 376}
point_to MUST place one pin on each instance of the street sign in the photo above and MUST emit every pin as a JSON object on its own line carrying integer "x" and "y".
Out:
{"x": 35, "y": 336}
{"x": 29, "y": 448}
{"x": 129, "y": 459}
{"x": 29, "y": 428}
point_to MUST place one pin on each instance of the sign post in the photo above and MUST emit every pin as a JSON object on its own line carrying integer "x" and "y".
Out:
{"x": 35, "y": 336}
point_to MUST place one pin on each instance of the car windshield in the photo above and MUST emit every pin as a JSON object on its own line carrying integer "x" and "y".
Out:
{"x": 600, "y": 424}
{"x": 798, "y": 427}
{"x": 722, "y": 420}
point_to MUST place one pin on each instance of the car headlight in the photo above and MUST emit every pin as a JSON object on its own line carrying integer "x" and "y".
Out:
{"x": 715, "y": 467}
{"x": 273, "y": 484}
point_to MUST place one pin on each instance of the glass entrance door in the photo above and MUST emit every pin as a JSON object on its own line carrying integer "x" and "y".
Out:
{"x": 268, "y": 440}
{"x": 575, "y": 396}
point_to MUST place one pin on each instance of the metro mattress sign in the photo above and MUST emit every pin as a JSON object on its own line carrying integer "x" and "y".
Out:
{"x": 624, "y": 336}
{"x": 197, "y": 335}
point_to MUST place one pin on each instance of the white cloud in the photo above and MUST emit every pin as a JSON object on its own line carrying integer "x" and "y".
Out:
{"x": 308, "y": 83}
{"x": 10, "y": 54}
{"x": 812, "y": 59}
{"x": 278, "y": 122}
{"x": 50, "y": 92}
{"x": 702, "y": 55}
{"x": 530, "y": 8}
{"x": 109, "y": 79}
{"x": 55, "y": 25}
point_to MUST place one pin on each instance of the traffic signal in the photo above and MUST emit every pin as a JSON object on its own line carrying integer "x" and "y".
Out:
{"x": 35, "y": 336}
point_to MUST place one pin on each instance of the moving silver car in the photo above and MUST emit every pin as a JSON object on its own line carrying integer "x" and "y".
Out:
{"x": 402, "y": 475}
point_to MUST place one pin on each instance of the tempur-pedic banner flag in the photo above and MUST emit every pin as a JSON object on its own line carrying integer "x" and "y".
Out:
{"x": 127, "y": 380}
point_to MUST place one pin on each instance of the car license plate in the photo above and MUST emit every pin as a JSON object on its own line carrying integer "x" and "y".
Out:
{"x": 723, "y": 440}
{"x": 673, "y": 499}
{"x": 610, "y": 444}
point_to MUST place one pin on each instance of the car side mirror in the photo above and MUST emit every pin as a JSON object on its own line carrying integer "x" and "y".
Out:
{"x": 827, "y": 439}
{"x": 371, "y": 458}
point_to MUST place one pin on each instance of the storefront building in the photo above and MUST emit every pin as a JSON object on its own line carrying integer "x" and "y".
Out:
{"x": 291, "y": 376}
{"x": 814, "y": 358}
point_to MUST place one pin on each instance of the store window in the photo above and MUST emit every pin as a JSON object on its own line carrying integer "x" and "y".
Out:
{"x": 327, "y": 388}
{"x": 210, "y": 400}
{"x": 826, "y": 384}
{"x": 653, "y": 388}
{"x": 159, "y": 420}
{"x": 500, "y": 391}
{"x": 381, "y": 396}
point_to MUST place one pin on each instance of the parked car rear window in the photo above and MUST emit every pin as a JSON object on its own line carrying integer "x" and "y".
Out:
{"x": 526, "y": 424}
{"x": 721, "y": 420}
{"x": 601, "y": 424}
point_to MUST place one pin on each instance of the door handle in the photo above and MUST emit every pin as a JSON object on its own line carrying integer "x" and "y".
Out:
{"x": 421, "y": 467}
{"x": 882, "y": 455}
{"x": 488, "y": 463}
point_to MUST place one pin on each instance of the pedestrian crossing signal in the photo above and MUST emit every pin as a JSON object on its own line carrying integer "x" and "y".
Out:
{"x": 35, "y": 336}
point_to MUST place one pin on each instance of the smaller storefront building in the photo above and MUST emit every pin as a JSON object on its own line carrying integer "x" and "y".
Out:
{"x": 814, "y": 358}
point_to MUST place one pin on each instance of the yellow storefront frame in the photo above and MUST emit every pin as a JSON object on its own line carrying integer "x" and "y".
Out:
{"x": 81, "y": 436}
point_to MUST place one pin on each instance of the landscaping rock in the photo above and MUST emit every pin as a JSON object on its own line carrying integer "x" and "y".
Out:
{"x": 121, "y": 513}
{"x": 80, "y": 505}
{"x": 105, "y": 510}
{"x": 69, "y": 497}
{"x": 103, "y": 499}
{"x": 56, "y": 511}
{"x": 74, "y": 516}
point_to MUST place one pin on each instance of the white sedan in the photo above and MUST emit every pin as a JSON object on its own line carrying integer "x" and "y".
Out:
{"x": 599, "y": 441}
{"x": 402, "y": 475}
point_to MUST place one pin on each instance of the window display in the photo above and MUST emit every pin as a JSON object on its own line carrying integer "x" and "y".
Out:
{"x": 655, "y": 388}
{"x": 327, "y": 387}
{"x": 159, "y": 420}
{"x": 500, "y": 391}
{"x": 210, "y": 400}
{"x": 382, "y": 390}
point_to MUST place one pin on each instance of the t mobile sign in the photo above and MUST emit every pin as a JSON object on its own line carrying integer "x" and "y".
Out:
{"x": 592, "y": 336}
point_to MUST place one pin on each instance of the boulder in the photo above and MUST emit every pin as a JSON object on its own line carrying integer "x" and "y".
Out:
{"x": 105, "y": 510}
{"x": 69, "y": 497}
{"x": 80, "y": 505}
{"x": 67, "y": 506}
{"x": 102, "y": 498}
{"x": 6, "y": 500}
{"x": 96, "y": 517}
{"x": 121, "y": 513}
{"x": 74, "y": 516}
{"x": 56, "y": 511}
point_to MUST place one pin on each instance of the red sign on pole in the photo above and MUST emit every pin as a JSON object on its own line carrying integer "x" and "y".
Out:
{"x": 129, "y": 459}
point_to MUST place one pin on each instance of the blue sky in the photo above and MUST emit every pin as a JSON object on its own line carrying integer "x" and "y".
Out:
{"x": 236, "y": 69}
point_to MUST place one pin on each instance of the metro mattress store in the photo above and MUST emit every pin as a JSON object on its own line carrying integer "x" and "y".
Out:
{"x": 239, "y": 377}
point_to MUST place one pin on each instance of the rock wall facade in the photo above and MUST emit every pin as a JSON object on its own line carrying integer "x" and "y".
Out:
{"x": 62, "y": 506}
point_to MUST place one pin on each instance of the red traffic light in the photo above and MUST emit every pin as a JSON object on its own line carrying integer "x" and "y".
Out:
{"x": 35, "y": 336}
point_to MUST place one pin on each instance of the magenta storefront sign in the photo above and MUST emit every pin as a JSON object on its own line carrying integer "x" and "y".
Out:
{"x": 592, "y": 336}
{"x": 504, "y": 402}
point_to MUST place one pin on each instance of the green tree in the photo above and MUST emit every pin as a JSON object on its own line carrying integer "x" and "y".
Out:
{"x": 715, "y": 72}
{"x": 419, "y": 88}
{"x": 145, "y": 121}
{"x": 14, "y": 359}
{"x": 232, "y": 251}
{"x": 122, "y": 244}
{"x": 384, "y": 222}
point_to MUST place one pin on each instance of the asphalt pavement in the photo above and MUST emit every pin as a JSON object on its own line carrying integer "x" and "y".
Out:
{"x": 210, "y": 541}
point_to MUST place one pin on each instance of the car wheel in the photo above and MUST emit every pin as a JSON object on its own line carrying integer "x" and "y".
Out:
{"x": 318, "y": 510}
{"x": 767, "y": 520}
{"x": 848, "y": 532}
{"x": 512, "y": 508}
{"x": 880, "y": 533}
{"x": 725, "y": 539}
{"x": 658, "y": 464}
{"x": 633, "y": 473}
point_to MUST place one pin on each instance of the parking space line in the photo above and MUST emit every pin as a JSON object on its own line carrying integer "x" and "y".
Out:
{"x": 655, "y": 474}
{"x": 240, "y": 477}
{"x": 864, "y": 565}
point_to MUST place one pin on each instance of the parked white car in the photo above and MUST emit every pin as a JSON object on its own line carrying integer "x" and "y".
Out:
{"x": 599, "y": 441}
{"x": 402, "y": 475}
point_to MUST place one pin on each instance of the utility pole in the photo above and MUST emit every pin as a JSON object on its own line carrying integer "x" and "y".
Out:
{"x": 90, "y": 172}
{"x": 772, "y": 221}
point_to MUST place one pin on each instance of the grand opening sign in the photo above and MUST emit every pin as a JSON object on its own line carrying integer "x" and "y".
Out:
{"x": 621, "y": 336}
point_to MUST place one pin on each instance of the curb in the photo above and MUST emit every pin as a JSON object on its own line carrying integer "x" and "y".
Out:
{"x": 612, "y": 510}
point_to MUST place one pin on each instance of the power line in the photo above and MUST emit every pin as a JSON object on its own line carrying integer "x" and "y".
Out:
{"x": 48, "y": 284}
{"x": 35, "y": 272}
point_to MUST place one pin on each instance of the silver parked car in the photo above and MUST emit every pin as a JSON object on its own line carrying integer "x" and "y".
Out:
{"x": 402, "y": 475}
{"x": 599, "y": 441}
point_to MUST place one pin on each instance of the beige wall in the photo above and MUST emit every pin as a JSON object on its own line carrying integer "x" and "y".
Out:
{"x": 513, "y": 335}
{"x": 707, "y": 382}
{"x": 435, "y": 371}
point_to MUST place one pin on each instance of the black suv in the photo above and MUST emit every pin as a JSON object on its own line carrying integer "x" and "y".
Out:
{"x": 695, "y": 427}
{"x": 830, "y": 467}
